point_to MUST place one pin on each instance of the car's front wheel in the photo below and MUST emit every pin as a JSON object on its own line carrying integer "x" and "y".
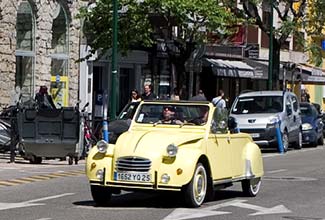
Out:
{"x": 101, "y": 195}
{"x": 251, "y": 187}
{"x": 195, "y": 191}
{"x": 298, "y": 145}
{"x": 285, "y": 141}
{"x": 321, "y": 139}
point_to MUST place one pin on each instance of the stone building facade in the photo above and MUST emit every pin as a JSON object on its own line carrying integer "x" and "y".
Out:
{"x": 39, "y": 41}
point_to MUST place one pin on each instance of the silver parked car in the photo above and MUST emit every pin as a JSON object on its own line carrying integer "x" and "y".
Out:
{"x": 257, "y": 113}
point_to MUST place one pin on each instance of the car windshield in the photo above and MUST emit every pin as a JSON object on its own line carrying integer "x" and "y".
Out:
{"x": 150, "y": 113}
{"x": 128, "y": 111}
{"x": 258, "y": 104}
{"x": 308, "y": 110}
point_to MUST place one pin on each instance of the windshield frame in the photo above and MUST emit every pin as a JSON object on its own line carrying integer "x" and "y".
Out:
{"x": 187, "y": 111}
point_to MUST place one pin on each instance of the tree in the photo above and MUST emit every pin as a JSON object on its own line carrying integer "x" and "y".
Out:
{"x": 294, "y": 17}
{"x": 143, "y": 22}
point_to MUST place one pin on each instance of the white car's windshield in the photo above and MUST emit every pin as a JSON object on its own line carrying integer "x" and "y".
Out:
{"x": 258, "y": 104}
{"x": 172, "y": 114}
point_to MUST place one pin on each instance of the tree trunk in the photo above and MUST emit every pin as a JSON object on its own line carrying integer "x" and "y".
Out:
{"x": 276, "y": 65}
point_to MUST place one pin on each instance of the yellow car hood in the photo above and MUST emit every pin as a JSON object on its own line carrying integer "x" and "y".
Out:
{"x": 152, "y": 143}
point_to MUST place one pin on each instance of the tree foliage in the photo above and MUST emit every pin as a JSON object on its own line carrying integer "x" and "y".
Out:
{"x": 141, "y": 23}
{"x": 294, "y": 16}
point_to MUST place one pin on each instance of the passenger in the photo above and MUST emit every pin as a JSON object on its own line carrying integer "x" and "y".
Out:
{"x": 202, "y": 119}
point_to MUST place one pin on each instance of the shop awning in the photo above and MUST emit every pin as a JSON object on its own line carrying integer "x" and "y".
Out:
{"x": 307, "y": 75}
{"x": 229, "y": 68}
{"x": 261, "y": 68}
{"x": 311, "y": 75}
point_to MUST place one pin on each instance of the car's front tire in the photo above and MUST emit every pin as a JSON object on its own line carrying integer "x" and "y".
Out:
{"x": 298, "y": 145}
{"x": 101, "y": 195}
{"x": 321, "y": 140}
{"x": 285, "y": 141}
{"x": 195, "y": 191}
{"x": 251, "y": 186}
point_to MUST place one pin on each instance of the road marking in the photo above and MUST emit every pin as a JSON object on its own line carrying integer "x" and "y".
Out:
{"x": 276, "y": 171}
{"x": 183, "y": 213}
{"x": 288, "y": 178}
{"x": 279, "y": 209}
{"x": 36, "y": 178}
{"x": 5, "y": 206}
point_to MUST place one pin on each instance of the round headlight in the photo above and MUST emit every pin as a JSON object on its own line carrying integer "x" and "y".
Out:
{"x": 102, "y": 146}
{"x": 100, "y": 174}
{"x": 165, "y": 178}
{"x": 306, "y": 126}
{"x": 172, "y": 150}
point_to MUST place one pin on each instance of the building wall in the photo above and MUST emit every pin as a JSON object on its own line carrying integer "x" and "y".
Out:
{"x": 43, "y": 14}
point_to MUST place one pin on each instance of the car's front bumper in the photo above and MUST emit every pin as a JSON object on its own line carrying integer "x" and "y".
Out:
{"x": 264, "y": 137}
{"x": 309, "y": 136}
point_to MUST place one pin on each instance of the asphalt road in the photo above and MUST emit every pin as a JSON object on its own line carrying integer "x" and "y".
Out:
{"x": 292, "y": 189}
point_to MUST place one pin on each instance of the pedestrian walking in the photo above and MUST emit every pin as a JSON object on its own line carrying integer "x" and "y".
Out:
{"x": 148, "y": 94}
{"x": 175, "y": 95}
{"x": 219, "y": 101}
{"x": 199, "y": 97}
{"x": 134, "y": 96}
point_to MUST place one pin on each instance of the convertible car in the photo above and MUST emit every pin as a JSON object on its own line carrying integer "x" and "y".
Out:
{"x": 195, "y": 153}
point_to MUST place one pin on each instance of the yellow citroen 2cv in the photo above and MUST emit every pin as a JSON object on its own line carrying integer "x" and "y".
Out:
{"x": 191, "y": 147}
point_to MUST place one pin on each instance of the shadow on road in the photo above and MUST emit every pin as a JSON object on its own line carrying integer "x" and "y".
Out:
{"x": 156, "y": 200}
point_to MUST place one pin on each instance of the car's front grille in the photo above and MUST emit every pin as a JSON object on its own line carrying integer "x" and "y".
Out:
{"x": 135, "y": 164}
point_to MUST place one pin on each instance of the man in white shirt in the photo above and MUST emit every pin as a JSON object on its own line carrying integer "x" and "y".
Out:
{"x": 219, "y": 100}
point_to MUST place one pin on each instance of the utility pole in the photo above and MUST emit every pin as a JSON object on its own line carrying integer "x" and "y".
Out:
{"x": 270, "y": 75}
{"x": 114, "y": 62}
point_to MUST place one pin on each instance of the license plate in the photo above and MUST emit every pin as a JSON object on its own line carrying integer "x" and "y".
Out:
{"x": 255, "y": 135}
{"x": 132, "y": 177}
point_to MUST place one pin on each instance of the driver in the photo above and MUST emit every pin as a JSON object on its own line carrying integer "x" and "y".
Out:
{"x": 169, "y": 116}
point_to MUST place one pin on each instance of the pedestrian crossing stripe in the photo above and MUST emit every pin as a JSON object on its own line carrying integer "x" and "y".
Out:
{"x": 30, "y": 179}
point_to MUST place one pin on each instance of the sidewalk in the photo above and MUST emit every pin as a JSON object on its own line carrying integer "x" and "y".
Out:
{"x": 19, "y": 161}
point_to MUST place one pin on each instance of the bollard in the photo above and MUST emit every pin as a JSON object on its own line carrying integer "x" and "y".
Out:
{"x": 279, "y": 136}
{"x": 105, "y": 131}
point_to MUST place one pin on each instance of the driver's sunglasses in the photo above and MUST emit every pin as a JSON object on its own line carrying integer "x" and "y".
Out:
{"x": 167, "y": 109}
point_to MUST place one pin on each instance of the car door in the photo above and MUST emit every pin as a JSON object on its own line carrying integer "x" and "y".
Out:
{"x": 218, "y": 148}
{"x": 296, "y": 117}
{"x": 289, "y": 117}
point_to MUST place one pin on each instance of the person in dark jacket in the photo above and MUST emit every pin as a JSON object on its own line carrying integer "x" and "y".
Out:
{"x": 43, "y": 99}
{"x": 148, "y": 94}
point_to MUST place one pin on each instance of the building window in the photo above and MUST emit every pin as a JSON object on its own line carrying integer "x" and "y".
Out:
{"x": 60, "y": 57}
{"x": 25, "y": 55}
{"x": 59, "y": 64}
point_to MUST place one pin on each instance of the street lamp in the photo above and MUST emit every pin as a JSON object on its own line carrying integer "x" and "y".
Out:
{"x": 114, "y": 62}
{"x": 270, "y": 75}
{"x": 113, "y": 77}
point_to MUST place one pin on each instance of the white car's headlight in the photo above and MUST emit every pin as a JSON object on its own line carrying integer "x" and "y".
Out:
{"x": 102, "y": 146}
{"x": 306, "y": 126}
{"x": 273, "y": 119}
{"x": 172, "y": 150}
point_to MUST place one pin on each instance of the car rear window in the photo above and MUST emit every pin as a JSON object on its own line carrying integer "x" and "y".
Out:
{"x": 258, "y": 104}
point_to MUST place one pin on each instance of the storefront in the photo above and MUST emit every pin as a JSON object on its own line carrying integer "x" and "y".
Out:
{"x": 232, "y": 76}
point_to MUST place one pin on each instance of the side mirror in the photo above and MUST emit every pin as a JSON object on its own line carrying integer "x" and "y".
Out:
{"x": 232, "y": 124}
{"x": 289, "y": 111}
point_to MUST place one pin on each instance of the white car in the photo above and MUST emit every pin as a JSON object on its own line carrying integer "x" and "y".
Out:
{"x": 258, "y": 113}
